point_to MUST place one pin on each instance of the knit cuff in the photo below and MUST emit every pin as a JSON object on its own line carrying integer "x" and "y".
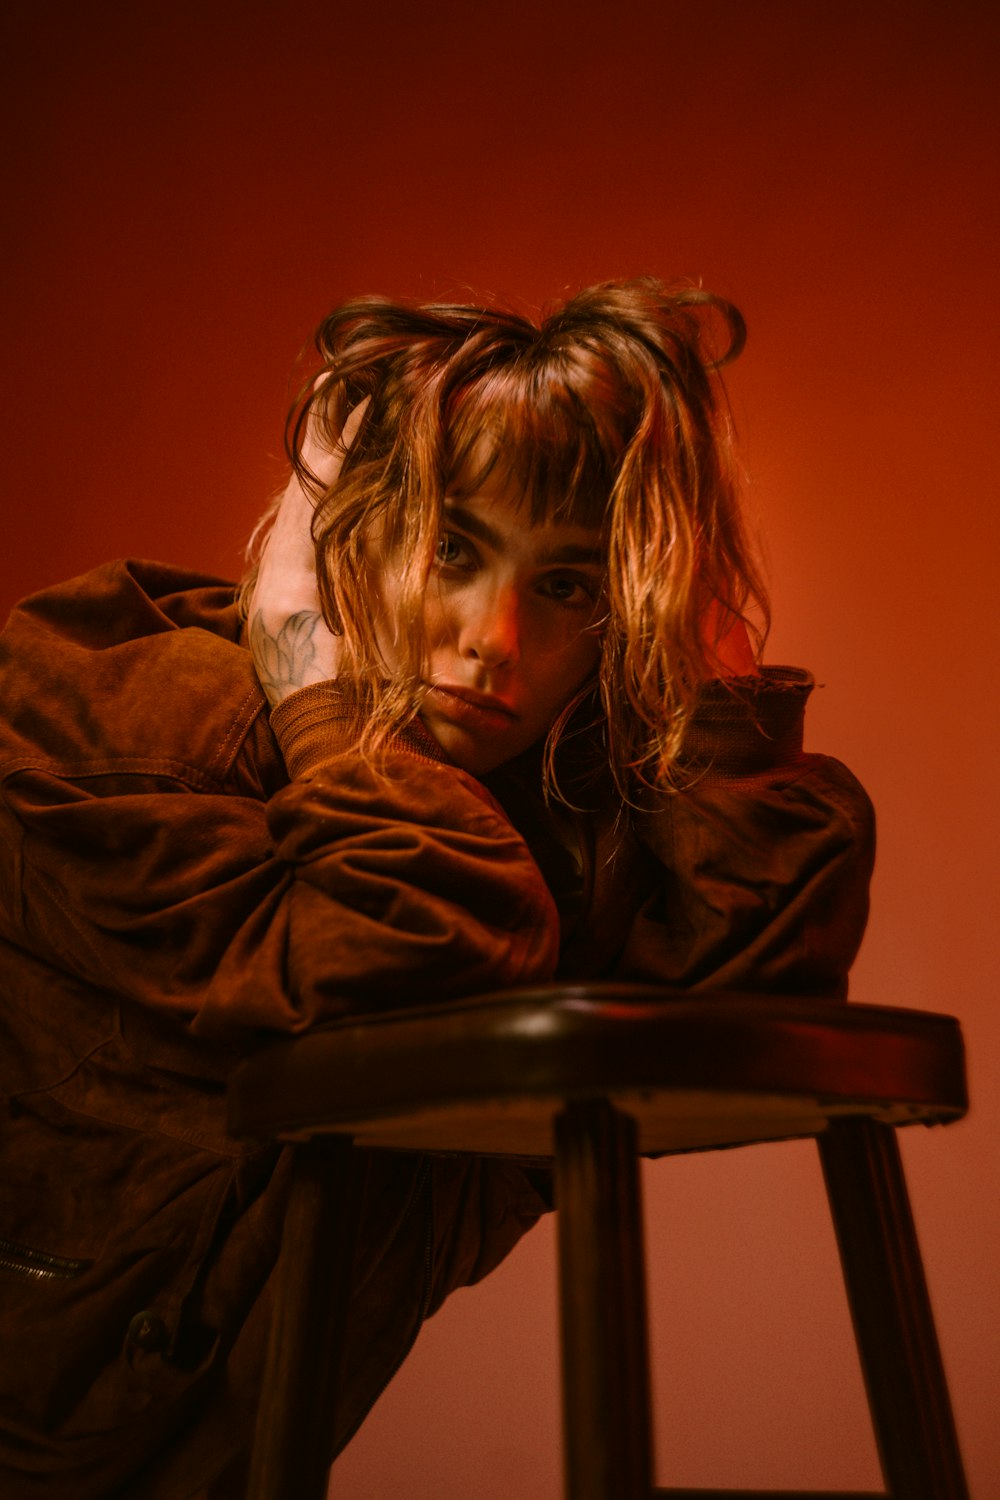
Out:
{"x": 744, "y": 725}
{"x": 324, "y": 721}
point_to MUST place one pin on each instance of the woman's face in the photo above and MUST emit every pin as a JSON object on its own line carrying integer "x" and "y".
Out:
{"x": 512, "y": 625}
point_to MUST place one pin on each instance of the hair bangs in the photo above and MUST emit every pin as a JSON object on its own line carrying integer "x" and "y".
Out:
{"x": 527, "y": 429}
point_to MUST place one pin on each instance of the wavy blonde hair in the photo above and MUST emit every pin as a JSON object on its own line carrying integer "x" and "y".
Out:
{"x": 609, "y": 413}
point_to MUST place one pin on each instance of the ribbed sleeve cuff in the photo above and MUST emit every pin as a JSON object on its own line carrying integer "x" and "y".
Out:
{"x": 324, "y": 721}
{"x": 745, "y": 725}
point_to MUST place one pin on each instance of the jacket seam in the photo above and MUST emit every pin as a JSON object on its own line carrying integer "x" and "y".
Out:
{"x": 64, "y": 1078}
{"x": 144, "y": 1127}
{"x": 235, "y": 735}
{"x": 193, "y": 776}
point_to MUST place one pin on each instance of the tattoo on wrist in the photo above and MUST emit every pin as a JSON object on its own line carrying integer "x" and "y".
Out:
{"x": 287, "y": 659}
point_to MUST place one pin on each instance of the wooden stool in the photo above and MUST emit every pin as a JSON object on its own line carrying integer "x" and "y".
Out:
{"x": 595, "y": 1076}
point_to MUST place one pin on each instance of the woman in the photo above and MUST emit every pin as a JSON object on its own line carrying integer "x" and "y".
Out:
{"x": 517, "y": 730}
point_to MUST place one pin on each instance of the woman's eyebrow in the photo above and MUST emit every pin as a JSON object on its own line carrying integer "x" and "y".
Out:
{"x": 473, "y": 524}
{"x": 576, "y": 552}
{"x": 583, "y": 553}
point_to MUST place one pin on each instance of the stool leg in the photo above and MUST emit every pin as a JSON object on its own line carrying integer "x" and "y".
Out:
{"x": 292, "y": 1438}
{"x": 893, "y": 1323}
{"x": 605, "y": 1360}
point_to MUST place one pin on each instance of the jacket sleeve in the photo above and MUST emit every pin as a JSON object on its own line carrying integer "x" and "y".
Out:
{"x": 350, "y": 888}
{"x": 764, "y": 853}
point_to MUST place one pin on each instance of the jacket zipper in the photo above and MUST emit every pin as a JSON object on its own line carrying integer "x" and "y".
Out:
{"x": 38, "y": 1265}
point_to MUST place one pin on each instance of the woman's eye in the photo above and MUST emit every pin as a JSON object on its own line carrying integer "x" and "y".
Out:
{"x": 564, "y": 588}
{"x": 450, "y": 550}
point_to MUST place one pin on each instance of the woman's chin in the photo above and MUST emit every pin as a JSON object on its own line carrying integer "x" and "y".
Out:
{"x": 476, "y": 753}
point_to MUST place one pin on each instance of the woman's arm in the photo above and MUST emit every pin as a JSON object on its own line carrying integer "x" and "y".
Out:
{"x": 350, "y": 889}
{"x": 764, "y": 852}
{"x": 152, "y": 846}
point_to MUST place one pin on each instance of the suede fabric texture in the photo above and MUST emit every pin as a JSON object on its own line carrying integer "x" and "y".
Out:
{"x": 183, "y": 877}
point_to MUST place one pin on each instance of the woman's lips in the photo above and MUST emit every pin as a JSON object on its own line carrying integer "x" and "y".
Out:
{"x": 473, "y": 710}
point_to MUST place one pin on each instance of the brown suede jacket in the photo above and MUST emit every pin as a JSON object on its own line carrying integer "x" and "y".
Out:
{"x": 182, "y": 877}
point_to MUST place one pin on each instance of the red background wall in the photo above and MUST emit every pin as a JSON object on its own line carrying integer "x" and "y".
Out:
{"x": 192, "y": 187}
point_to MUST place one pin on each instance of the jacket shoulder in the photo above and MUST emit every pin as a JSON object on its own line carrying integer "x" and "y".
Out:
{"x": 135, "y": 664}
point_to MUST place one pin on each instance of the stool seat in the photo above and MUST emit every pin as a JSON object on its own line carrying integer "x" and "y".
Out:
{"x": 489, "y": 1075}
{"x": 590, "y": 1077}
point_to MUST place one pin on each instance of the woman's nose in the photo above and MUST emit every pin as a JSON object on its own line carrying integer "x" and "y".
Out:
{"x": 491, "y": 631}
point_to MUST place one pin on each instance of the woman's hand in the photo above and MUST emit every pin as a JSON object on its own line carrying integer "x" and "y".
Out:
{"x": 290, "y": 642}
